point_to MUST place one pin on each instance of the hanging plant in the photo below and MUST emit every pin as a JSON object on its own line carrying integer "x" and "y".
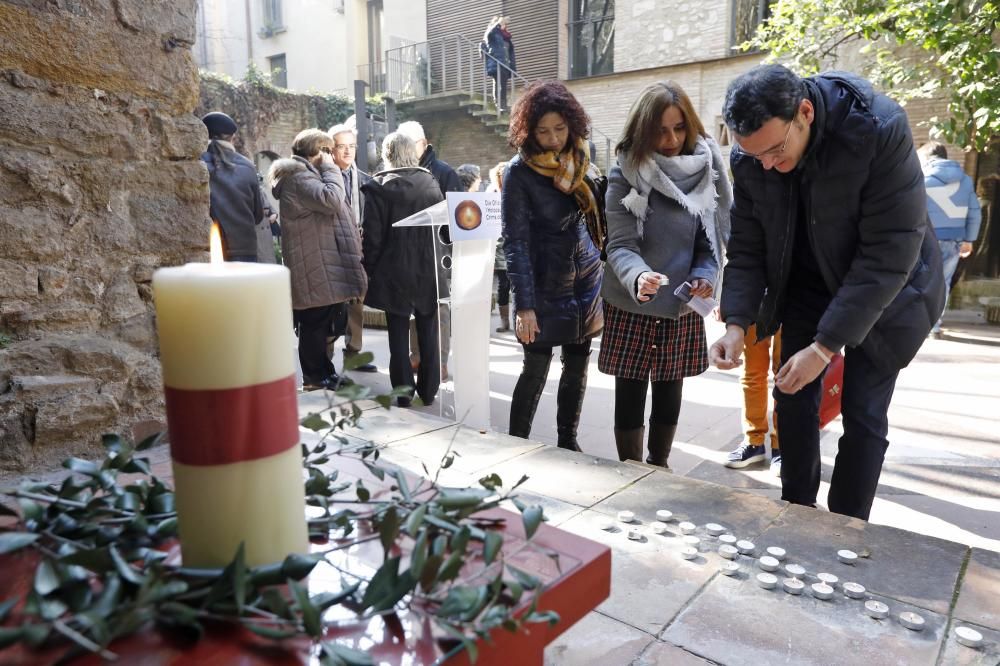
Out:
{"x": 103, "y": 570}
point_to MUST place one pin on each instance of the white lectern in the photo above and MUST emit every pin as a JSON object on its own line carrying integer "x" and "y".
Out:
{"x": 473, "y": 251}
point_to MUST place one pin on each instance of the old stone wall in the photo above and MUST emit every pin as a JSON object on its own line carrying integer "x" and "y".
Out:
{"x": 653, "y": 33}
{"x": 100, "y": 184}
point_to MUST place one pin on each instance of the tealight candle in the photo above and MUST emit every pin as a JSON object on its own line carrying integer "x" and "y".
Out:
{"x": 794, "y": 570}
{"x": 664, "y": 515}
{"x": 776, "y": 552}
{"x": 745, "y": 547}
{"x": 968, "y": 637}
{"x": 728, "y": 539}
{"x": 876, "y": 609}
{"x": 911, "y": 621}
{"x": 728, "y": 552}
{"x": 689, "y": 553}
{"x": 822, "y": 591}
{"x": 847, "y": 556}
{"x": 729, "y": 568}
{"x": 828, "y": 578}
{"x": 658, "y": 527}
{"x": 626, "y": 516}
{"x": 635, "y": 534}
{"x": 687, "y": 528}
{"x": 854, "y": 590}
{"x": 714, "y": 529}
{"x": 605, "y": 523}
{"x": 226, "y": 340}
{"x": 768, "y": 563}
{"x": 767, "y": 581}
{"x": 690, "y": 540}
{"x": 793, "y": 585}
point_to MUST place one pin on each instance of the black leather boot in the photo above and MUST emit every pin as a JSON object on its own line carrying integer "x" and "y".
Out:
{"x": 527, "y": 392}
{"x": 569, "y": 399}
{"x": 629, "y": 443}
{"x": 661, "y": 439}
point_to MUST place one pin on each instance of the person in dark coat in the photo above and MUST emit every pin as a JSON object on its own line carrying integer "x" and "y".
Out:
{"x": 234, "y": 190}
{"x": 549, "y": 206}
{"x": 321, "y": 246}
{"x": 830, "y": 240}
{"x": 497, "y": 51}
{"x": 400, "y": 264}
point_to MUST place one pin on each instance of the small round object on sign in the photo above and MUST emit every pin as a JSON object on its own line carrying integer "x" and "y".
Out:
{"x": 876, "y": 609}
{"x": 777, "y": 553}
{"x": 828, "y": 578}
{"x": 689, "y": 553}
{"x": 768, "y": 563}
{"x": 822, "y": 591}
{"x": 968, "y": 637}
{"x": 795, "y": 570}
{"x": 767, "y": 581}
{"x": 714, "y": 529}
{"x": 468, "y": 215}
{"x": 635, "y": 534}
{"x": 728, "y": 539}
{"x": 690, "y": 540}
{"x": 793, "y": 585}
{"x": 664, "y": 515}
{"x": 626, "y": 516}
{"x": 687, "y": 528}
{"x": 658, "y": 527}
{"x": 746, "y": 547}
{"x": 728, "y": 552}
{"x": 912, "y": 621}
{"x": 847, "y": 556}
{"x": 854, "y": 590}
{"x": 729, "y": 568}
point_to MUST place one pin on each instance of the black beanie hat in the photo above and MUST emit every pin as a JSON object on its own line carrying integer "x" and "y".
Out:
{"x": 219, "y": 124}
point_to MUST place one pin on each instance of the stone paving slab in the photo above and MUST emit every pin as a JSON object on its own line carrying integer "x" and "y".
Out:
{"x": 659, "y": 653}
{"x": 597, "y": 639}
{"x": 979, "y": 599}
{"x": 696, "y": 501}
{"x": 914, "y": 569}
{"x": 758, "y": 477}
{"x": 476, "y": 451}
{"x": 571, "y": 477}
{"x": 956, "y": 654}
{"x": 384, "y": 426}
{"x": 736, "y": 622}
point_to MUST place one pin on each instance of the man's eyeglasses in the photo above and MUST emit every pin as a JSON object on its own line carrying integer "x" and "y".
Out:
{"x": 773, "y": 152}
{"x": 345, "y": 147}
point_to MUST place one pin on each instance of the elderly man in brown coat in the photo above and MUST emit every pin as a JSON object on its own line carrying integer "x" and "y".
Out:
{"x": 321, "y": 245}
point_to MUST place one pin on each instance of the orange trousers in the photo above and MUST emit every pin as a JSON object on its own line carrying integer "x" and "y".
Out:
{"x": 759, "y": 358}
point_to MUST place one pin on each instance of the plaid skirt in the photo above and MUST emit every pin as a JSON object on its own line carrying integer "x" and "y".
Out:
{"x": 635, "y": 346}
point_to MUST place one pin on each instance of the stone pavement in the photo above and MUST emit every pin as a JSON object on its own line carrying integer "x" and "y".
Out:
{"x": 942, "y": 471}
{"x": 667, "y": 610}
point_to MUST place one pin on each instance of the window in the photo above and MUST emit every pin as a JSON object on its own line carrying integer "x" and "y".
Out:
{"x": 279, "y": 74}
{"x": 747, "y": 15}
{"x": 271, "y": 21}
{"x": 592, "y": 38}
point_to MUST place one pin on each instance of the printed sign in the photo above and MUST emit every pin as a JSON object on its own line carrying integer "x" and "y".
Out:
{"x": 473, "y": 215}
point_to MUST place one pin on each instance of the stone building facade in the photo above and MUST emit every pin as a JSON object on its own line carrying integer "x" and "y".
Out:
{"x": 101, "y": 184}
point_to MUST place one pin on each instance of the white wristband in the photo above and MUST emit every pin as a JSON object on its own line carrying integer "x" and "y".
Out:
{"x": 819, "y": 352}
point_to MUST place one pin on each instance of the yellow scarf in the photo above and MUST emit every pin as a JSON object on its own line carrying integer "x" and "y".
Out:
{"x": 567, "y": 171}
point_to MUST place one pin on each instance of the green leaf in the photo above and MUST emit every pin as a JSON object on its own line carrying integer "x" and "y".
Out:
{"x": 428, "y": 576}
{"x": 418, "y": 557}
{"x": 532, "y": 518}
{"x": 355, "y": 361}
{"x": 549, "y": 616}
{"x": 273, "y": 600}
{"x": 526, "y": 580}
{"x": 457, "y": 499}
{"x": 404, "y": 487}
{"x": 47, "y": 580}
{"x": 35, "y": 634}
{"x": 82, "y": 466}
{"x": 363, "y": 493}
{"x": 5, "y": 608}
{"x": 388, "y": 530}
{"x": 460, "y": 599}
{"x": 268, "y": 574}
{"x": 272, "y": 633}
{"x": 324, "y": 600}
{"x": 298, "y": 566}
{"x": 491, "y": 546}
{"x": 11, "y": 541}
{"x": 150, "y": 442}
{"x": 107, "y": 603}
{"x": 376, "y": 471}
{"x": 166, "y": 529}
{"x": 240, "y": 578}
{"x": 112, "y": 442}
{"x": 491, "y": 481}
{"x": 348, "y": 656}
{"x": 124, "y": 569}
{"x": 9, "y": 636}
{"x": 310, "y": 614}
{"x": 415, "y": 519}
{"x": 315, "y": 422}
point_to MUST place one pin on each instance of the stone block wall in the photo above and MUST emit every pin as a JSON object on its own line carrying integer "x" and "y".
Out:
{"x": 459, "y": 138}
{"x": 650, "y": 33}
{"x": 101, "y": 184}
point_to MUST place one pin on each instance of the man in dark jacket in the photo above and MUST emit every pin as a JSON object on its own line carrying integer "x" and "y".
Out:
{"x": 234, "y": 190}
{"x": 830, "y": 240}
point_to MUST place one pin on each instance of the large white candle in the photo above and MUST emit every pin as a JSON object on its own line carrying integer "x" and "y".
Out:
{"x": 225, "y": 338}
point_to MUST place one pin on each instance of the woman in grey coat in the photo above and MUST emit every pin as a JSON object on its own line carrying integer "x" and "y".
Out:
{"x": 321, "y": 245}
{"x": 668, "y": 223}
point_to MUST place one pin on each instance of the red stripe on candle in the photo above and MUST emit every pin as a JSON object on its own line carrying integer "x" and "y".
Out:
{"x": 222, "y": 426}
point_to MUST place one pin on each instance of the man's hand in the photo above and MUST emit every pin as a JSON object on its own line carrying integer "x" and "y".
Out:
{"x": 965, "y": 249}
{"x": 800, "y": 370}
{"x": 526, "y": 326}
{"x": 725, "y": 352}
{"x": 648, "y": 284}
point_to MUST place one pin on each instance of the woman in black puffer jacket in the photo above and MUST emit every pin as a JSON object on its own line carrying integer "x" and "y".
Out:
{"x": 551, "y": 213}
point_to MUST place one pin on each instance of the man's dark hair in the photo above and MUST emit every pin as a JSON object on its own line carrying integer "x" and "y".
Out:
{"x": 765, "y": 92}
{"x": 467, "y": 174}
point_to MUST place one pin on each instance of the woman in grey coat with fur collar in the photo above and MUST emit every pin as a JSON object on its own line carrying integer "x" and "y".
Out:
{"x": 668, "y": 223}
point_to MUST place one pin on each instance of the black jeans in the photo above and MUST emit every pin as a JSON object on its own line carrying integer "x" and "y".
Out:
{"x": 313, "y": 325}
{"x": 865, "y": 398}
{"x": 400, "y": 371}
{"x": 630, "y": 402}
{"x": 500, "y": 87}
{"x": 503, "y": 288}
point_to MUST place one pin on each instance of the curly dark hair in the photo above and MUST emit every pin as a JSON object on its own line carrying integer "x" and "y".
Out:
{"x": 538, "y": 99}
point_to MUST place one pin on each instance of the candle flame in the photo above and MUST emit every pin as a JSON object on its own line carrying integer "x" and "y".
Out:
{"x": 215, "y": 244}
